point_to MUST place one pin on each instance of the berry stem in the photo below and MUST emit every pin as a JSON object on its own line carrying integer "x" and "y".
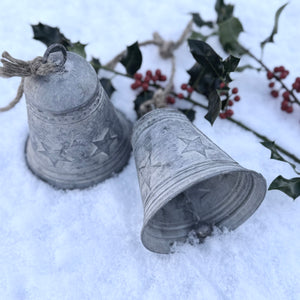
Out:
{"x": 248, "y": 52}
{"x": 245, "y": 127}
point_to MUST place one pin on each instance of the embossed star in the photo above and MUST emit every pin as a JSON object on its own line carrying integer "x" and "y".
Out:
{"x": 52, "y": 155}
{"x": 104, "y": 143}
{"x": 194, "y": 145}
{"x": 147, "y": 169}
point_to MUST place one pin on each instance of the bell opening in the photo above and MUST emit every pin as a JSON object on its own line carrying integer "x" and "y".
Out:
{"x": 224, "y": 200}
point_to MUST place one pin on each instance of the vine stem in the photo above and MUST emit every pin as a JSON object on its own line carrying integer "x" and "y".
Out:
{"x": 248, "y": 52}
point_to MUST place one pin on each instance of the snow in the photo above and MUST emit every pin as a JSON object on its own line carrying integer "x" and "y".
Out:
{"x": 86, "y": 244}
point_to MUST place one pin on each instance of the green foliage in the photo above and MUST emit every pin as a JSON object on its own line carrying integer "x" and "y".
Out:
{"x": 290, "y": 187}
{"x": 276, "y": 155}
{"x": 242, "y": 68}
{"x": 224, "y": 11}
{"x": 207, "y": 74}
{"x": 132, "y": 60}
{"x": 190, "y": 113}
{"x": 95, "y": 62}
{"x": 107, "y": 85}
{"x": 49, "y": 35}
{"x": 229, "y": 32}
{"x": 78, "y": 48}
{"x": 200, "y": 22}
{"x": 270, "y": 39}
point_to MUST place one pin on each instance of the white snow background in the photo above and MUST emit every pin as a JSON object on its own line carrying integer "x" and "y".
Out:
{"x": 85, "y": 244}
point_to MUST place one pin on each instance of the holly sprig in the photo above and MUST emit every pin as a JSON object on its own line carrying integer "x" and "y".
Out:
{"x": 209, "y": 76}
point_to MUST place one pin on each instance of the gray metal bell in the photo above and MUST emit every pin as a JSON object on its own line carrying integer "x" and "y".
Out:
{"x": 76, "y": 138}
{"x": 187, "y": 183}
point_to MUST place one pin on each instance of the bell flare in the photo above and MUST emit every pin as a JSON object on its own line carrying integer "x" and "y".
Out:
{"x": 187, "y": 181}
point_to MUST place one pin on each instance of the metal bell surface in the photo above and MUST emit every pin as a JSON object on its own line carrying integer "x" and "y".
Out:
{"x": 76, "y": 137}
{"x": 187, "y": 183}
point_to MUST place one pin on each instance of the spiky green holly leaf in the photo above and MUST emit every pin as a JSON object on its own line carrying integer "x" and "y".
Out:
{"x": 207, "y": 57}
{"x": 290, "y": 187}
{"x": 132, "y": 60}
{"x": 95, "y": 62}
{"x": 276, "y": 155}
{"x": 214, "y": 106}
{"x": 231, "y": 63}
{"x": 270, "y": 39}
{"x": 108, "y": 86}
{"x": 200, "y": 22}
{"x": 224, "y": 11}
{"x": 78, "y": 48}
{"x": 49, "y": 35}
{"x": 229, "y": 31}
{"x": 190, "y": 113}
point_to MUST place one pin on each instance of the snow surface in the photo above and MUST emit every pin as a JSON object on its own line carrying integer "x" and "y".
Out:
{"x": 86, "y": 244}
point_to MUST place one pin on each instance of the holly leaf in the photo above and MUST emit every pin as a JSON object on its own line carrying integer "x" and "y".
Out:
{"x": 214, "y": 106}
{"x": 206, "y": 56}
{"x": 49, "y": 35}
{"x": 231, "y": 63}
{"x": 107, "y": 85}
{"x": 132, "y": 60}
{"x": 270, "y": 39}
{"x": 201, "y": 80}
{"x": 290, "y": 187}
{"x": 224, "y": 11}
{"x": 140, "y": 99}
{"x": 200, "y": 22}
{"x": 190, "y": 113}
{"x": 276, "y": 155}
{"x": 95, "y": 62}
{"x": 78, "y": 48}
{"x": 229, "y": 31}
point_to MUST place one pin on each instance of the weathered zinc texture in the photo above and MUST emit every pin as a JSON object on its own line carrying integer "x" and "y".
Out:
{"x": 188, "y": 183}
{"x": 76, "y": 137}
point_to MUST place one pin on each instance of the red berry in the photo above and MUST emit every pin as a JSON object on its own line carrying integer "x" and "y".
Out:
{"x": 138, "y": 76}
{"x": 145, "y": 86}
{"x": 147, "y": 79}
{"x": 134, "y": 86}
{"x": 286, "y": 95}
{"x": 229, "y": 113}
{"x": 284, "y": 104}
{"x": 222, "y": 85}
{"x": 158, "y": 72}
{"x": 274, "y": 93}
{"x": 270, "y": 75}
{"x": 180, "y": 96}
{"x": 284, "y": 74}
{"x": 170, "y": 100}
{"x": 184, "y": 86}
{"x": 289, "y": 109}
{"x": 237, "y": 98}
{"x": 190, "y": 89}
{"x": 155, "y": 78}
{"x": 222, "y": 115}
{"x": 281, "y": 69}
{"x": 297, "y": 79}
{"x": 276, "y": 69}
{"x": 230, "y": 102}
{"x": 235, "y": 90}
{"x": 271, "y": 84}
{"x": 162, "y": 78}
{"x": 149, "y": 73}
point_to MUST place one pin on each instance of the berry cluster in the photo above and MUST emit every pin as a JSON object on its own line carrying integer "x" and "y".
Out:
{"x": 144, "y": 82}
{"x": 282, "y": 73}
{"x": 225, "y": 91}
{"x": 184, "y": 87}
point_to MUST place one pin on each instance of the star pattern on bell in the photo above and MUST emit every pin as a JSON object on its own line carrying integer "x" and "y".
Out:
{"x": 147, "y": 169}
{"x": 52, "y": 154}
{"x": 196, "y": 145}
{"x": 103, "y": 144}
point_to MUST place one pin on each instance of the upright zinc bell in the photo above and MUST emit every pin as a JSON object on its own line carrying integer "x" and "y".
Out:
{"x": 77, "y": 138}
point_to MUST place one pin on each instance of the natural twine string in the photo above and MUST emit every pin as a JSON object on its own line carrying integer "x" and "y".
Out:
{"x": 20, "y": 68}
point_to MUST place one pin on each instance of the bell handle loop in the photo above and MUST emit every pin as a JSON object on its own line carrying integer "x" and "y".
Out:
{"x": 54, "y": 48}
